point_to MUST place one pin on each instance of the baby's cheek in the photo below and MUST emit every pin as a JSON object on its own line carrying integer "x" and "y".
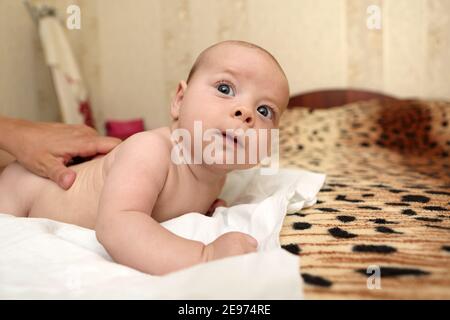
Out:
{"x": 266, "y": 143}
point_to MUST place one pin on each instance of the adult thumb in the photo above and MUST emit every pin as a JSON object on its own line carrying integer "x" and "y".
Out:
{"x": 59, "y": 173}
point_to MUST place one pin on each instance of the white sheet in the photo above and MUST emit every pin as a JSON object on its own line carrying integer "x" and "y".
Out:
{"x": 40, "y": 258}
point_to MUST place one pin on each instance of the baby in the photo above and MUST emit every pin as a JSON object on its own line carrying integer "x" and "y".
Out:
{"x": 125, "y": 195}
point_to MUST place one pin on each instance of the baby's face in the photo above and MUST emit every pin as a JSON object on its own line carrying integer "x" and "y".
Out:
{"x": 235, "y": 87}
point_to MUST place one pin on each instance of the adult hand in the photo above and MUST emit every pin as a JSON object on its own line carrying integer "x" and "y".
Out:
{"x": 46, "y": 148}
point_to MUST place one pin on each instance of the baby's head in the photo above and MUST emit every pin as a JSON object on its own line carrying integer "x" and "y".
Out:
{"x": 232, "y": 85}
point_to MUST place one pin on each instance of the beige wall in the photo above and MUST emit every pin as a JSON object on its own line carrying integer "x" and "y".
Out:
{"x": 133, "y": 53}
{"x": 25, "y": 83}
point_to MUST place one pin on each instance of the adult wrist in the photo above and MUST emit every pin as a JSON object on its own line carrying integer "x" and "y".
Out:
{"x": 12, "y": 132}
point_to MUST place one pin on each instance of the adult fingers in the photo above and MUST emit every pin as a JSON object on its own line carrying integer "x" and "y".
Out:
{"x": 106, "y": 144}
{"x": 93, "y": 146}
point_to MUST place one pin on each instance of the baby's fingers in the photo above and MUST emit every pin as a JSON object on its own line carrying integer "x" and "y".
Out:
{"x": 251, "y": 243}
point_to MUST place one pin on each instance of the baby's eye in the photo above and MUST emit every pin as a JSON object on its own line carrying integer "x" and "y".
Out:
{"x": 225, "y": 89}
{"x": 265, "y": 111}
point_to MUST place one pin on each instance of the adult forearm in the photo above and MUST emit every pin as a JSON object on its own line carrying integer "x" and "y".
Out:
{"x": 138, "y": 241}
{"x": 9, "y": 131}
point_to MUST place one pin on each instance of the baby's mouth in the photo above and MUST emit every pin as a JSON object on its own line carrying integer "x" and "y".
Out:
{"x": 232, "y": 139}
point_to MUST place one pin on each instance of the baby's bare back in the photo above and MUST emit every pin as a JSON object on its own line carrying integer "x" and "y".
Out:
{"x": 25, "y": 194}
{"x": 79, "y": 204}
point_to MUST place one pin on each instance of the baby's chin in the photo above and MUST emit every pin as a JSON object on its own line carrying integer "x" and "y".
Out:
{"x": 230, "y": 161}
{"x": 231, "y": 167}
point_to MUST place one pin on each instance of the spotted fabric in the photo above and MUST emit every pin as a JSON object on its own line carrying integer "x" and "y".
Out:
{"x": 385, "y": 205}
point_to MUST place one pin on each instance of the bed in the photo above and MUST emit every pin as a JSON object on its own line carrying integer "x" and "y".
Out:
{"x": 385, "y": 206}
{"x": 384, "y": 209}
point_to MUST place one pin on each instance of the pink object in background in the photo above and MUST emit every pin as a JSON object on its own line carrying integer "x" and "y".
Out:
{"x": 122, "y": 129}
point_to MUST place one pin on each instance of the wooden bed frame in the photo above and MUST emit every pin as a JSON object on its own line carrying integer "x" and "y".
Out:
{"x": 323, "y": 99}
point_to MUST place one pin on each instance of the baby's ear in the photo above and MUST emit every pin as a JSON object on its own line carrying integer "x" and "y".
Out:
{"x": 177, "y": 100}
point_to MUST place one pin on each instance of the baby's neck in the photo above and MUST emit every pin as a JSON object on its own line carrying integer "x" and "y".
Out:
{"x": 203, "y": 172}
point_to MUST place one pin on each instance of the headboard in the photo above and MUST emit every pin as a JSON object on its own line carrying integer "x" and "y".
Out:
{"x": 322, "y": 99}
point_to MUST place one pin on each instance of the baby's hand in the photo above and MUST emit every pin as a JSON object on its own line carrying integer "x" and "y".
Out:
{"x": 216, "y": 203}
{"x": 230, "y": 244}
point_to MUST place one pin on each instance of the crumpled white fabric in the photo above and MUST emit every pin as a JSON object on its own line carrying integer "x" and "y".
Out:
{"x": 70, "y": 88}
{"x": 44, "y": 259}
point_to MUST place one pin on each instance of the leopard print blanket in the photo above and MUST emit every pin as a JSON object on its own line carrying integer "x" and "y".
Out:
{"x": 381, "y": 226}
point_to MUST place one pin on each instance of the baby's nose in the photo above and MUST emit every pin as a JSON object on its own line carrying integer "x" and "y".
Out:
{"x": 244, "y": 114}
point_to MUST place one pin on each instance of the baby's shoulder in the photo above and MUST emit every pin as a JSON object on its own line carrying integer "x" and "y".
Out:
{"x": 152, "y": 146}
{"x": 148, "y": 143}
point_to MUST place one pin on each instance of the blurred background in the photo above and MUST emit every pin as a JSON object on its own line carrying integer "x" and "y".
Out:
{"x": 132, "y": 54}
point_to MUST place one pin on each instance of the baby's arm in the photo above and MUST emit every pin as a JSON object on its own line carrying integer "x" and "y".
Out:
{"x": 124, "y": 225}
